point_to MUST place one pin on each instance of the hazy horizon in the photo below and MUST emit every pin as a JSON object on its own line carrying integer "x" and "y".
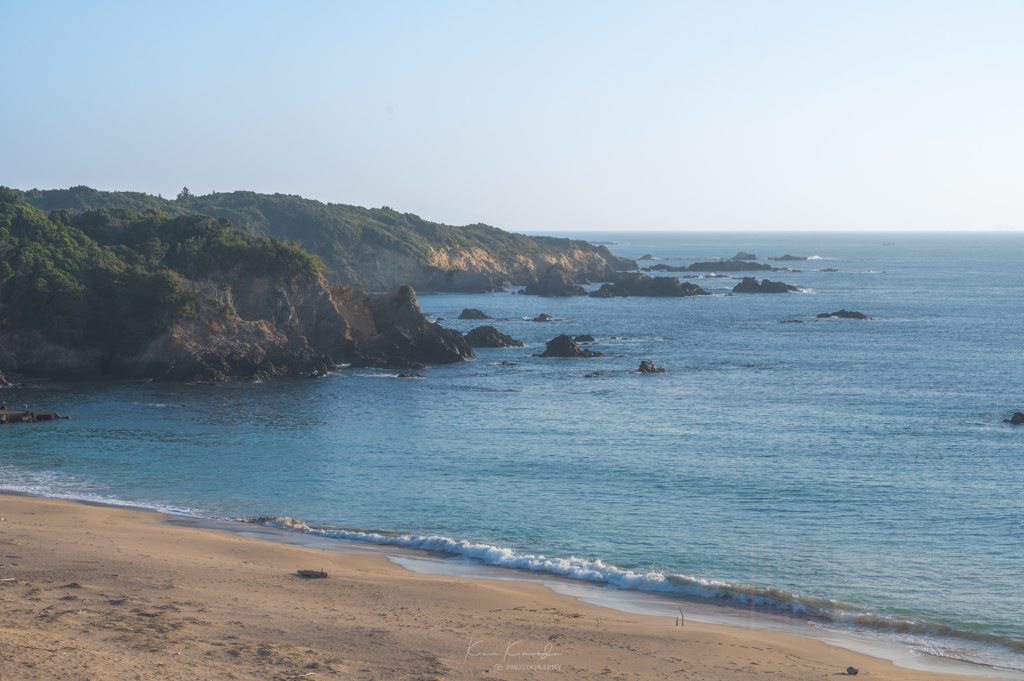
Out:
{"x": 656, "y": 117}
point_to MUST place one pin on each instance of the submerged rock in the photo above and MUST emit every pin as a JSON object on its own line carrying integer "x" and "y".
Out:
{"x": 473, "y": 313}
{"x": 845, "y": 314}
{"x": 750, "y": 285}
{"x": 1016, "y": 419}
{"x": 649, "y": 368}
{"x": 490, "y": 337}
{"x": 646, "y": 286}
{"x": 410, "y": 376}
{"x": 565, "y": 346}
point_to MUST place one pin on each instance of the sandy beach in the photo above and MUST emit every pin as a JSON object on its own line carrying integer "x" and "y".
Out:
{"x": 93, "y": 592}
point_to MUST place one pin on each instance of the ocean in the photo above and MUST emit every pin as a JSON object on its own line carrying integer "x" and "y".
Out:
{"x": 856, "y": 475}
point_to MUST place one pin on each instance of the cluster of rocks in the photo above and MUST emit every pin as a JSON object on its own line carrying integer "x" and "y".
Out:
{"x": 565, "y": 346}
{"x": 751, "y": 285}
{"x": 649, "y": 368}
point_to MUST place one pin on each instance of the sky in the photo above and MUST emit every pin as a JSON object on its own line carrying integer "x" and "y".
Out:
{"x": 534, "y": 116}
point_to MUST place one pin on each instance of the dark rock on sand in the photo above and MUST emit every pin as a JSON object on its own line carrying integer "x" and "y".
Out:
{"x": 649, "y": 368}
{"x": 473, "y": 313}
{"x": 490, "y": 337}
{"x": 852, "y": 671}
{"x": 645, "y": 286}
{"x": 750, "y": 285}
{"x": 556, "y": 283}
{"x": 744, "y": 256}
{"x": 565, "y": 346}
{"x": 585, "y": 338}
{"x": 728, "y": 266}
{"x": 543, "y": 317}
{"x": 1016, "y": 419}
{"x": 787, "y": 258}
{"x": 845, "y": 314}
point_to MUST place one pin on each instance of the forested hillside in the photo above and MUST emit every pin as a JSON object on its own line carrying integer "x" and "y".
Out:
{"x": 350, "y": 239}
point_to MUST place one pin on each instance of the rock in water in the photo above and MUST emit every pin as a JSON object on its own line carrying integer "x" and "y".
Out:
{"x": 630, "y": 285}
{"x": 728, "y": 266}
{"x": 744, "y": 256}
{"x": 1016, "y": 419}
{"x": 649, "y": 368}
{"x": 472, "y": 313}
{"x": 852, "y": 672}
{"x": 787, "y": 258}
{"x": 556, "y": 283}
{"x": 490, "y": 337}
{"x": 647, "y": 256}
{"x": 543, "y": 317}
{"x": 565, "y": 346}
{"x": 845, "y": 314}
{"x": 3, "y": 381}
{"x": 585, "y": 338}
{"x": 750, "y": 285}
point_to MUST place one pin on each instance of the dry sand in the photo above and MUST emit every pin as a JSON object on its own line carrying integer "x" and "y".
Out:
{"x": 101, "y": 593}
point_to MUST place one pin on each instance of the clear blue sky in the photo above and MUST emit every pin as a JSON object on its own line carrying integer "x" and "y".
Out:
{"x": 535, "y": 116}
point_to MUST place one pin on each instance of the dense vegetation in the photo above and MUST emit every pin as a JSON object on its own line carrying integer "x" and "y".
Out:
{"x": 335, "y": 232}
{"x": 113, "y": 278}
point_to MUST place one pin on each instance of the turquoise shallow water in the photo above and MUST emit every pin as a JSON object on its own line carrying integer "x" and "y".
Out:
{"x": 857, "y": 474}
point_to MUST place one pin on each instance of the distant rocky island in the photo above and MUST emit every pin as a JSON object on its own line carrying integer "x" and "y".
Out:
{"x": 379, "y": 246}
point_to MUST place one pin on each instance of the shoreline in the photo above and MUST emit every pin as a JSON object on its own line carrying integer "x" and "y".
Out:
{"x": 176, "y": 575}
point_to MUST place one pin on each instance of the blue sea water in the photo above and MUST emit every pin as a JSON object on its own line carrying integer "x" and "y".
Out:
{"x": 855, "y": 474}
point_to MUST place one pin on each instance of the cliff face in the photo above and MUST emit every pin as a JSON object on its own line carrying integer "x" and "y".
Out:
{"x": 259, "y": 329}
{"x": 473, "y": 270}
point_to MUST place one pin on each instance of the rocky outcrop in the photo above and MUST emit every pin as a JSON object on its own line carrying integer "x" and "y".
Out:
{"x": 543, "y": 317}
{"x": 727, "y": 266}
{"x": 565, "y": 346}
{"x": 490, "y": 337}
{"x": 258, "y": 328}
{"x": 649, "y": 368}
{"x": 662, "y": 267}
{"x": 647, "y": 256}
{"x": 585, "y": 338}
{"x": 3, "y": 381}
{"x": 750, "y": 285}
{"x": 473, "y": 313}
{"x": 744, "y": 256}
{"x": 405, "y": 339}
{"x": 1016, "y": 419}
{"x": 787, "y": 258}
{"x": 556, "y": 283}
{"x": 845, "y": 314}
{"x": 641, "y": 285}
